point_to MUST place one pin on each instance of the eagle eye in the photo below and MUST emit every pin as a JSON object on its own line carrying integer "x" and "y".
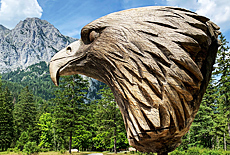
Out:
{"x": 68, "y": 50}
{"x": 93, "y": 35}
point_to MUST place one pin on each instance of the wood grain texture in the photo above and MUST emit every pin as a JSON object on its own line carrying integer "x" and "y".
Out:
{"x": 157, "y": 61}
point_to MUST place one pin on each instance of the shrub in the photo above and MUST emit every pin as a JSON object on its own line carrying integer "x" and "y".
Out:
{"x": 16, "y": 150}
{"x": 194, "y": 151}
{"x": 177, "y": 152}
{"x": 131, "y": 152}
{"x": 215, "y": 152}
{"x": 227, "y": 153}
{"x": 31, "y": 147}
{"x": 63, "y": 150}
{"x": 44, "y": 150}
{"x": 10, "y": 150}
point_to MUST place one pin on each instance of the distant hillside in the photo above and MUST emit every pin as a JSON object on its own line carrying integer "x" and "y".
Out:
{"x": 37, "y": 78}
{"x": 31, "y": 41}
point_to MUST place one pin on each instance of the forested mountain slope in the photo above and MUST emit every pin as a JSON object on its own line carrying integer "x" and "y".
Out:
{"x": 37, "y": 78}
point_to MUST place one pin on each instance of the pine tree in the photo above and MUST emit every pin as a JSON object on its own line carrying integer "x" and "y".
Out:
{"x": 109, "y": 122}
{"x": 3, "y": 117}
{"x": 23, "y": 139}
{"x": 207, "y": 116}
{"x": 223, "y": 73}
{"x": 6, "y": 118}
{"x": 46, "y": 126}
{"x": 70, "y": 108}
{"x": 201, "y": 129}
{"x": 25, "y": 114}
{"x": 81, "y": 138}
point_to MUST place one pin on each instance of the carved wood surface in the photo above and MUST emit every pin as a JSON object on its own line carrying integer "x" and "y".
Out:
{"x": 156, "y": 60}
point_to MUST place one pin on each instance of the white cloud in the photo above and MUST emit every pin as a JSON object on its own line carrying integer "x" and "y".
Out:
{"x": 216, "y": 10}
{"x": 188, "y": 4}
{"x": 12, "y": 11}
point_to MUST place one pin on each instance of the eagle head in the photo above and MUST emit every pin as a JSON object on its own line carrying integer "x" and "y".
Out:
{"x": 157, "y": 62}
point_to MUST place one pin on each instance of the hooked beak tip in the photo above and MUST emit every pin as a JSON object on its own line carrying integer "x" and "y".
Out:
{"x": 54, "y": 73}
{"x": 56, "y": 82}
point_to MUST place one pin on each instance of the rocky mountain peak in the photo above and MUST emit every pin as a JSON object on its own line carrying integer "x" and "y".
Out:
{"x": 31, "y": 41}
{"x": 32, "y": 22}
{"x": 3, "y": 30}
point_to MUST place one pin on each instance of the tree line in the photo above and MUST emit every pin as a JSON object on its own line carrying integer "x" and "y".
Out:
{"x": 66, "y": 121}
{"x": 70, "y": 120}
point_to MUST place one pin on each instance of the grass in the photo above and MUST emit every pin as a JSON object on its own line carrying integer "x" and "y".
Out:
{"x": 176, "y": 152}
{"x": 58, "y": 153}
{"x": 11, "y": 153}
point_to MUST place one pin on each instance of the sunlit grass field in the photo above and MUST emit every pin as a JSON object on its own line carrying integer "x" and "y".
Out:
{"x": 191, "y": 151}
{"x": 73, "y": 153}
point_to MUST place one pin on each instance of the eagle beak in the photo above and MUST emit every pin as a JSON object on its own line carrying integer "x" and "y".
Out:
{"x": 55, "y": 64}
{"x": 54, "y": 69}
{"x": 62, "y": 59}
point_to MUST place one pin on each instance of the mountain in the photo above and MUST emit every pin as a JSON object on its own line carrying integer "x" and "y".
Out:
{"x": 25, "y": 52}
{"x": 3, "y": 31}
{"x": 31, "y": 41}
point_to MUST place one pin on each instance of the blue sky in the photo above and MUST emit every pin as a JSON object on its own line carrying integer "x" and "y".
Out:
{"x": 69, "y": 16}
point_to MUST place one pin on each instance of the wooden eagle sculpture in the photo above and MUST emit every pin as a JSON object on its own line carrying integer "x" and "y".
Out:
{"x": 157, "y": 62}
